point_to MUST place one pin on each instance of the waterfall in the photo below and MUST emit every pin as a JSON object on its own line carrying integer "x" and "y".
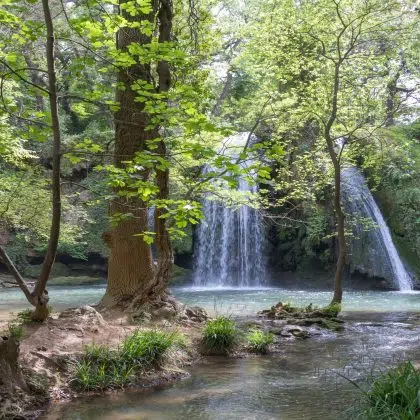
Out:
{"x": 229, "y": 247}
{"x": 372, "y": 250}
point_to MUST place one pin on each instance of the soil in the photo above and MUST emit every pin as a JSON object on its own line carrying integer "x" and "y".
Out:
{"x": 49, "y": 350}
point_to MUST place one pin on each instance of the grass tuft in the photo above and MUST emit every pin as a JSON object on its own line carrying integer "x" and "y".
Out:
{"x": 102, "y": 367}
{"x": 25, "y": 316}
{"x": 258, "y": 341}
{"x": 15, "y": 331}
{"x": 394, "y": 395}
{"x": 220, "y": 334}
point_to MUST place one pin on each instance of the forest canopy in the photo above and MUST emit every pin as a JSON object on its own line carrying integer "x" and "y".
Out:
{"x": 117, "y": 120}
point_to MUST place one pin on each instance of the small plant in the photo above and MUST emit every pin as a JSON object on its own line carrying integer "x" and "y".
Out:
{"x": 147, "y": 348}
{"x": 220, "y": 334}
{"x": 332, "y": 310}
{"x": 25, "y": 316}
{"x": 394, "y": 395}
{"x": 258, "y": 341}
{"x": 15, "y": 331}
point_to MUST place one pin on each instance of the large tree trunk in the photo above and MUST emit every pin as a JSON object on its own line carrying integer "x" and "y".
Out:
{"x": 131, "y": 272}
{"x": 130, "y": 267}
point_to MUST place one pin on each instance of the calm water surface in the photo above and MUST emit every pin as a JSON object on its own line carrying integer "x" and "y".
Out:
{"x": 228, "y": 301}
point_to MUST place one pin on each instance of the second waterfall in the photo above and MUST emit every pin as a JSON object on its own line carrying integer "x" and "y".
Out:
{"x": 229, "y": 246}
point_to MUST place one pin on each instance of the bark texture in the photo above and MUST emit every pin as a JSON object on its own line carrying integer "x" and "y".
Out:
{"x": 339, "y": 213}
{"x": 131, "y": 271}
{"x": 39, "y": 296}
{"x": 165, "y": 258}
{"x": 10, "y": 373}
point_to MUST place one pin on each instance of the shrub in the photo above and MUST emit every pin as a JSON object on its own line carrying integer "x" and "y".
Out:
{"x": 220, "y": 334}
{"x": 394, "y": 395}
{"x": 258, "y": 341}
{"x": 102, "y": 367}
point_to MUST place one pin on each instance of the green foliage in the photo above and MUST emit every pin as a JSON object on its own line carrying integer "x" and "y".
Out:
{"x": 220, "y": 334}
{"x": 25, "y": 316}
{"x": 394, "y": 395}
{"x": 258, "y": 341}
{"x": 15, "y": 330}
{"x": 332, "y": 309}
{"x": 147, "y": 348}
{"x": 102, "y": 367}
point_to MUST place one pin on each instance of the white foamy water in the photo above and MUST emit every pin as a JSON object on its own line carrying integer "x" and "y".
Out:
{"x": 373, "y": 250}
{"x": 229, "y": 248}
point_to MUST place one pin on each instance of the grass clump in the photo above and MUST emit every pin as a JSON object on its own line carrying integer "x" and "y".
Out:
{"x": 394, "y": 395}
{"x": 258, "y": 341}
{"x": 102, "y": 367}
{"x": 220, "y": 335}
{"x": 332, "y": 310}
{"x": 25, "y": 316}
{"x": 147, "y": 348}
{"x": 15, "y": 331}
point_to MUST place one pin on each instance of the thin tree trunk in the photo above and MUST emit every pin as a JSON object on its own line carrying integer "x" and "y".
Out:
{"x": 164, "y": 249}
{"x": 339, "y": 213}
{"x": 41, "y": 311}
{"x": 342, "y": 245}
{"x": 39, "y": 296}
{"x": 227, "y": 87}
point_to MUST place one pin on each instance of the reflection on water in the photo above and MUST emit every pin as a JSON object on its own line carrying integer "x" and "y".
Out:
{"x": 228, "y": 301}
{"x": 305, "y": 381}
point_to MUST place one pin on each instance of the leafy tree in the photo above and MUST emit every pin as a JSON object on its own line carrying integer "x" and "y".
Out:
{"x": 323, "y": 63}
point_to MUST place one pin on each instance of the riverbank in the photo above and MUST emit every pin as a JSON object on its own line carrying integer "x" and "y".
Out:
{"x": 52, "y": 353}
{"x": 51, "y": 349}
{"x": 299, "y": 379}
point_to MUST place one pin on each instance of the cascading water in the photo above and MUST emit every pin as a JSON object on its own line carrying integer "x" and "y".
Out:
{"x": 229, "y": 247}
{"x": 372, "y": 250}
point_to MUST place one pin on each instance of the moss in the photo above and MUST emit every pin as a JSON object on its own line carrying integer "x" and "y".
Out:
{"x": 331, "y": 324}
{"x": 180, "y": 276}
{"x": 58, "y": 270}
